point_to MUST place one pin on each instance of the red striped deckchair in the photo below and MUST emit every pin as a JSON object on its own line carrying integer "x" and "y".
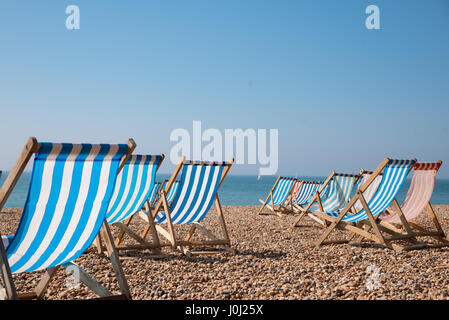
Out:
{"x": 418, "y": 200}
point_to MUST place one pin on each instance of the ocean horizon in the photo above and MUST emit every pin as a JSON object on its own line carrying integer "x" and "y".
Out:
{"x": 236, "y": 190}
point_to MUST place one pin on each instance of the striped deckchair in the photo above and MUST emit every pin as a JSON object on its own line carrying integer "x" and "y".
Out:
{"x": 305, "y": 194}
{"x": 371, "y": 190}
{"x": 152, "y": 199}
{"x": 298, "y": 191}
{"x": 340, "y": 189}
{"x": 68, "y": 197}
{"x": 131, "y": 193}
{"x": 197, "y": 191}
{"x": 171, "y": 194}
{"x": 282, "y": 188}
{"x": 156, "y": 192}
{"x": 394, "y": 174}
{"x": 418, "y": 200}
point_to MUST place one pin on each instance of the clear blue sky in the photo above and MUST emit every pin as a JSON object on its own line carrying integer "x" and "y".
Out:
{"x": 343, "y": 97}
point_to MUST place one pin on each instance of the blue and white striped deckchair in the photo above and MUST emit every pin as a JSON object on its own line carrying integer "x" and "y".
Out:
{"x": 369, "y": 192}
{"x": 325, "y": 192}
{"x": 394, "y": 174}
{"x": 68, "y": 197}
{"x": 133, "y": 187}
{"x": 132, "y": 191}
{"x": 153, "y": 198}
{"x": 279, "y": 193}
{"x": 197, "y": 191}
{"x": 339, "y": 188}
{"x": 308, "y": 188}
{"x": 171, "y": 194}
{"x": 308, "y": 192}
{"x": 156, "y": 192}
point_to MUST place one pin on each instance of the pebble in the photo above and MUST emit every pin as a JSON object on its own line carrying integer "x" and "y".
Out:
{"x": 272, "y": 261}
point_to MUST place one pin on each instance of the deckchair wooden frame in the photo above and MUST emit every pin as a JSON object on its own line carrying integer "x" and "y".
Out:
{"x": 170, "y": 234}
{"x": 421, "y": 231}
{"x": 297, "y": 207}
{"x": 293, "y": 196}
{"x": 372, "y": 223}
{"x": 33, "y": 146}
{"x": 270, "y": 196}
{"x": 154, "y": 247}
{"x": 317, "y": 198}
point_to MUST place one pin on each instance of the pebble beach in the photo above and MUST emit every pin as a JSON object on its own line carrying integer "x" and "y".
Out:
{"x": 272, "y": 261}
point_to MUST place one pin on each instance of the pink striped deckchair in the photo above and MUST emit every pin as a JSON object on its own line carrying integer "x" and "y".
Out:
{"x": 418, "y": 199}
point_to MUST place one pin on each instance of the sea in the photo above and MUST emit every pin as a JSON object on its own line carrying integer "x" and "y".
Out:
{"x": 236, "y": 190}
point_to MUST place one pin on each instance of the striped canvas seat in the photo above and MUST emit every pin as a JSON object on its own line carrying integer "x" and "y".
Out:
{"x": 326, "y": 189}
{"x": 305, "y": 194}
{"x": 152, "y": 199}
{"x": 369, "y": 192}
{"x": 419, "y": 192}
{"x": 171, "y": 194}
{"x": 280, "y": 196}
{"x": 297, "y": 185}
{"x": 282, "y": 190}
{"x": 133, "y": 187}
{"x": 196, "y": 193}
{"x": 340, "y": 189}
{"x": 68, "y": 198}
{"x": 393, "y": 176}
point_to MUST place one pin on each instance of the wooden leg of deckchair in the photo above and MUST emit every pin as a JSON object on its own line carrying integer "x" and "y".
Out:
{"x": 221, "y": 219}
{"x": 222, "y": 222}
{"x": 6, "y": 274}
{"x": 152, "y": 226}
{"x": 264, "y": 203}
{"x": 119, "y": 238}
{"x": 320, "y": 205}
{"x": 435, "y": 219}
{"x": 82, "y": 276}
{"x": 154, "y": 236}
{"x": 98, "y": 243}
{"x": 353, "y": 235}
{"x": 359, "y": 238}
{"x": 171, "y": 229}
{"x": 116, "y": 264}
{"x": 404, "y": 222}
{"x": 301, "y": 215}
{"x": 424, "y": 232}
{"x": 372, "y": 221}
{"x": 265, "y": 206}
{"x": 401, "y": 216}
{"x": 45, "y": 281}
{"x": 143, "y": 243}
{"x": 146, "y": 230}
{"x": 333, "y": 225}
{"x": 272, "y": 203}
{"x": 269, "y": 195}
{"x": 189, "y": 235}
